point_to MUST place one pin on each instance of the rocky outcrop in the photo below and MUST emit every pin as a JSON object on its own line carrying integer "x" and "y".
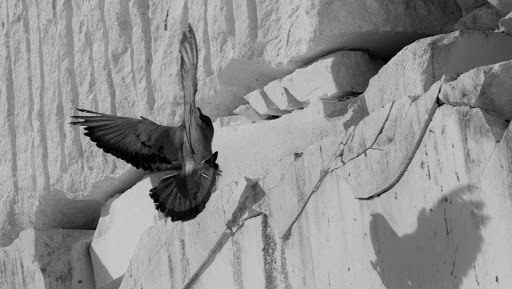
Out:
{"x": 353, "y": 160}
{"x": 48, "y": 259}
{"x": 119, "y": 57}
{"x": 413, "y": 71}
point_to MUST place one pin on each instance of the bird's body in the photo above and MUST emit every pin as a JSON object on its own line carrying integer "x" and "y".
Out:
{"x": 185, "y": 151}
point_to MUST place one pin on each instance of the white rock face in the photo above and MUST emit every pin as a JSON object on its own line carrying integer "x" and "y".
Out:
{"x": 484, "y": 18}
{"x": 121, "y": 57}
{"x": 48, "y": 259}
{"x": 262, "y": 104}
{"x": 331, "y": 77}
{"x": 486, "y": 87}
{"x": 506, "y": 24}
{"x": 436, "y": 151}
{"x": 412, "y": 71}
{"x": 469, "y": 5}
{"x": 505, "y": 5}
{"x": 411, "y": 183}
{"x": 250, "y": 113}
{"x": 113, "y": 245}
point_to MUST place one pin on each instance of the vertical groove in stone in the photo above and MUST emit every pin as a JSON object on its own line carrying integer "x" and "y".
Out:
{"x": 10, "y": 103}
{"x": 30, "y": 97}
{"x": 229, "y": 18}
{"x": 207, "y": 60}
{"x": 28, "y": 50}
{"x": 237, "y": 263}
{"x": 125, "y": 26}
{"x": 60, "y": 122}
{"x": 73, "y": 99}
{"x": 142, "y": 7}
{"x": 92, "y": 74}
{"x": 41, "y": 114}
{"x": 252, "y": 15}
{"x": 269, "y": 254}
{"x": 108, "y": 67}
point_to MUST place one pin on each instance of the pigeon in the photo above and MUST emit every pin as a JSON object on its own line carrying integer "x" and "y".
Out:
{"x": 184, "y": 151}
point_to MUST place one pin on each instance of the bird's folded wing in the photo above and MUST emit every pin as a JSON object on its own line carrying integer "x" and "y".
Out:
{"x": 183, "y": 197}
{"x": 140, "y": 142}
{"x": 188, "y": 66}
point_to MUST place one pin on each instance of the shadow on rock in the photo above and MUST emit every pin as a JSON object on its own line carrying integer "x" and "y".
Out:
{"x": 439, "y": 253}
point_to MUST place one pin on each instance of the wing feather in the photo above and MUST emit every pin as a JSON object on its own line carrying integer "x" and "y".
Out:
{"x": 140, "y": 142}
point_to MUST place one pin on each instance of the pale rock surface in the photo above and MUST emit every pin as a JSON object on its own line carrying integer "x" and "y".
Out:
{"x": 504, "y": 5}
{"x": 234, "y": 120}
{"x": 247, "y": 111}
{"x": 281, "y": 96}
{"x": 113, "y": 244}
{"x": 262, "y": 104}
{"x": 469, "y": 5}
{"x": 486, "y": 87}
{"x": 53, "y": 259}
{"x": 485, "y": 18}
{"x": 121, "y": 58}
{"x": 412, "y": 71}
{"x": 438, "y": 234}
{"x": 331, "y": 77}
{"x": 445, "y": 222}
{"x": 206, "y": 235}
{"x": 387, "y": 138}
{"x": 506, "y": 24}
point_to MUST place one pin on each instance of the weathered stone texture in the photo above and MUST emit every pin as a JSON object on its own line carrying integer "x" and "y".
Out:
{"x": 56, "y": 259}
{"x": 352, "y": 166}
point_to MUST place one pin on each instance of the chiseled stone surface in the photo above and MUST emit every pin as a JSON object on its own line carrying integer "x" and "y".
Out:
{"x": 113, "y": 244}
{"x": 284, "y": 214}
{"x": 384, "y": 146}
{"x": 484, "y": 18}
{"x": 412, "y": 71}
{"x": 250, "y": 113}
{"x": 486, "y": 87}
{"x": 262, "y": 104}
{"x": 504, "y": 5}
{"x": 331, "y": 77}
{"x": 48, "y": 259}
{"x": 506, "y": 24}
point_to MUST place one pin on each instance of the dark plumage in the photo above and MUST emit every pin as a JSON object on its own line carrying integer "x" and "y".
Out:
{"x": 185, "y": 150}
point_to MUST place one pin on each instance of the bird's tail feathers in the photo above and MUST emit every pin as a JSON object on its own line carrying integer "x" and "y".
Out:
{"x": 183, "y": 197}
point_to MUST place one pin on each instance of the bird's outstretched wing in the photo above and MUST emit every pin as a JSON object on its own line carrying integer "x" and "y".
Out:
{"x": 182, "y": 197}
{"x": 140, "y": 142}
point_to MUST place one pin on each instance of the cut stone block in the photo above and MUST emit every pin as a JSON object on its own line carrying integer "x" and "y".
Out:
{"x": 260, "y": 101}
{"x": 281, "y": 96}
{"x": 123, "y": 219}
{"x": 506, "y": 24}
{"x": 333, "y": 76}
{"x": 383, "y": 146}
{"x": 189, "y": 245}
{"x": 413, "y": 71}
{"x": 487, "y": 87}
{"x": 234, "y": 120}
{"x": 250, "y": 113}
{"x": 48, "y": 259}
{"x": 331, "y": 108}
{"x": 504, "y": 5}
{"x": 469, "y": 5}
{"x": 485, "y": 18}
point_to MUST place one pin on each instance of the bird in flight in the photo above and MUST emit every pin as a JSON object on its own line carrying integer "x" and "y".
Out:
{"x": 185, "y": 151}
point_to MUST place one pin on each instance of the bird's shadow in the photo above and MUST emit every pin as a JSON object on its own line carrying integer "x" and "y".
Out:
{"x": 441, "y": 250}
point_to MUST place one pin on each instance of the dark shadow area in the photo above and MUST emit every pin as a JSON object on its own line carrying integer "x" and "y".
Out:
{"x": 439, "y": 252}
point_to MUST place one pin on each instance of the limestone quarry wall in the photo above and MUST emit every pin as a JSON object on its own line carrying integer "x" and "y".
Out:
{"x": 363, "y": 144}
